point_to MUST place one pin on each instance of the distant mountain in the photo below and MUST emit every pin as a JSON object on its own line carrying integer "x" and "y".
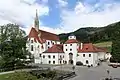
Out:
{"x": 93, "y": 34}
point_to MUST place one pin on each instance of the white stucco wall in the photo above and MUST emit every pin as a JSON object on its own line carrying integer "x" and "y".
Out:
{"x": 83, "y": 59}
{"x": 51, "y": 59}
{"x": 101, "y": 55}
{"x": 95, "y": 59}
{"x": 70, "y": 48}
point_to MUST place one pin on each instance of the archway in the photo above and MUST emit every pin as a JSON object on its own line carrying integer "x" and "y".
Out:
{"x": 70, "y": 58}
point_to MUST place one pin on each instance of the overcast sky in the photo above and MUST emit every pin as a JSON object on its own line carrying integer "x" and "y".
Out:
{"x": 60, "y": 16}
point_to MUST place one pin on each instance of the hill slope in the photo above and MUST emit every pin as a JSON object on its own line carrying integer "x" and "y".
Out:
{"x": 93, "y": 34}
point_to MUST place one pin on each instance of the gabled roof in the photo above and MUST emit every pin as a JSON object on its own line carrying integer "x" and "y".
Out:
{"x": 34, "y": 34}
{"x": 89, "y": 47}
{"x": 71, "y": 41}
{"x": 48, "y": 36}
{"x": 57, "y": 48}
{"x": 43, "y": 35}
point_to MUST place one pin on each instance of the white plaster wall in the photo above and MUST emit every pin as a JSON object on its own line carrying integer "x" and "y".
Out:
{"x": 56, "y": 59}
{"x": 101, "y": 55}
{"x": 73, "y": 51}
{"x": 83, "y": 59}
{"x": 108, "y": 56}
{"x": 95, "y": 59}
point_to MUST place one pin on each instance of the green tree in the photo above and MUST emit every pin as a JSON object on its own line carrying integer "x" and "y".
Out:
{"x": 116, "y": 43}
{"x": 13, "y": 46}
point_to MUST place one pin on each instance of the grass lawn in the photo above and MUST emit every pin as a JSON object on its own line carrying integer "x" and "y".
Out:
{"x": 5, "y": 76}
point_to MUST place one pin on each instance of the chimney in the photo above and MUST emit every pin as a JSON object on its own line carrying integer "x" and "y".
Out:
{"x": 81, "y": 45}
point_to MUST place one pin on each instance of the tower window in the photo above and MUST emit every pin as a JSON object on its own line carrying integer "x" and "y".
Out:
{"x": 48, "y": 43}
{"x": 70, "y": 49}
{"x": 89, "y": 55}
{"x": 66, "y": 49}
{"x": 70, "y": 44}
{"x": 31, "y": 47}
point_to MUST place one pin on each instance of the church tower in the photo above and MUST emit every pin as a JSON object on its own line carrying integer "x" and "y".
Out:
{"x": 36, "y": 21}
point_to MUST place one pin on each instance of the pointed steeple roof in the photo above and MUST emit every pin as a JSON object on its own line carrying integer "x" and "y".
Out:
{"x": 36, "y": 22}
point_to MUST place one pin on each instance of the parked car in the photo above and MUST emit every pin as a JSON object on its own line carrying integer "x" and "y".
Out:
{"x": 79, "y": 63}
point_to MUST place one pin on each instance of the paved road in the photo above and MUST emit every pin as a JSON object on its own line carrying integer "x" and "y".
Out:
{"x": 97, "y": 73}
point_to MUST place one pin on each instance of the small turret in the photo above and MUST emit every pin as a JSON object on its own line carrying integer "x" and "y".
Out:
{"x": 72, "y": 36}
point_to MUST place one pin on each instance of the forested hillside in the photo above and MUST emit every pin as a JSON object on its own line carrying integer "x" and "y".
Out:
{"x": 93, "y": 34}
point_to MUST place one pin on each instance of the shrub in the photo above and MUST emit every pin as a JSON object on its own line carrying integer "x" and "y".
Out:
{"x": 22, "y": 76}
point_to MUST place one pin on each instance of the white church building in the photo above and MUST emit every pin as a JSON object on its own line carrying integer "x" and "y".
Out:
{"x": 47, "y": 49}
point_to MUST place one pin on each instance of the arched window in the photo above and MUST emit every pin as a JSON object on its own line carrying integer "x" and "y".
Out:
{"x": 31, "y": 47}
{"x": 53, "y": 62}
{"x": 83, "y": 55}
{"x": 87, "y": 62}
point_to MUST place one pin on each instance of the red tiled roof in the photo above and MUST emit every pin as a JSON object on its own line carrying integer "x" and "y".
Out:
{"x": 43, "y": 36}
{"x": 71, "y": 41}
{"x": 48, "y": 35}
{"x": 89, "y": 47}
{"x": 57, "y": 48}
{"x": 34, "y": 34}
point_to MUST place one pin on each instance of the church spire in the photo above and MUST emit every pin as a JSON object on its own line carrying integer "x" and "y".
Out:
{"x": 36, "y": 22}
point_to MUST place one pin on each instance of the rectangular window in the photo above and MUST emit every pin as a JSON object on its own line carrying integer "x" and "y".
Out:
{"x": 53, "y": 62}
{"x": 83, "y": 55}
{"x": 49, "y": 56}
{"x": 48, "y": 43}
{"x": 43, "y": 56}
{"x": 31, "y": 47}
{"x": 89, "y": 55}
{"x": 40, "y": 55}
{"x": 53, "y": 56}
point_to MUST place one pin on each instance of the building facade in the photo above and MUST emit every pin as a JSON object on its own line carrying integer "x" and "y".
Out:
{"x": 46, "y": 49}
